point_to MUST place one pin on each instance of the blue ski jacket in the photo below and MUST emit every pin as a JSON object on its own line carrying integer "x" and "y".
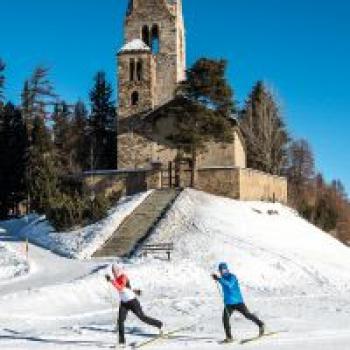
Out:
{"x": 231, "y": 289}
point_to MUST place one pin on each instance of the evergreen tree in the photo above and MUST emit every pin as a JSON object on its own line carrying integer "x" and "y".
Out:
{"x": 207, "y": 116}
{"x": 41, "y": 170}
{"x": 206, "y": 84}
{"x": 102, "y": 123}
{"x": 264, "y": 131}
{"x": 79, "y": 137}
{"x": 62, "y": 135}
{"x": 13, "y": 143}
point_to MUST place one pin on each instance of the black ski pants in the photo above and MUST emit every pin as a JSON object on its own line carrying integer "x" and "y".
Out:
{"x": 135, "y": 307}
{"x": 241, "y": 308}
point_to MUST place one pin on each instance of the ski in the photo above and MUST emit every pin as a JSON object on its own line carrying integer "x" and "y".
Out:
{"x": 268, "y": 334}
{"x": 159, "y": 337}
{"x": 225, "y": 342}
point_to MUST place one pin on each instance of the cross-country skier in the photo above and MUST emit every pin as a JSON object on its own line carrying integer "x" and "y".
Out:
{"x": 233, "y": 301}
{"x": 128, "y": 302}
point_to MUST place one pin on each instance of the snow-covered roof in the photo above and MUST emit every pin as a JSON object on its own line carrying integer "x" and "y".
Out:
{"x": 135, "y": 45}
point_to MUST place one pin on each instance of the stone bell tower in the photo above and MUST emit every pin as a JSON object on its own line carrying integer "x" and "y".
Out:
{"x": 153, "y": 59}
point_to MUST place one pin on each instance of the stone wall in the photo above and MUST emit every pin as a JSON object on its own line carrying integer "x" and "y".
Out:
{"x": 219, "y": 181}
{"x": 142, "y": 141}
{"x": 170, "y": 60}
{"x": 256, "y": 185}
{"x": 136, "y": 151}
{"x": 224, "y": 154}
{"x": 124, "y": 182}
{"x": 242, "y": 184}
{"x": 232, "y": 182}
{"x": 240, "y": 152}
{"x": 107, "y": 183}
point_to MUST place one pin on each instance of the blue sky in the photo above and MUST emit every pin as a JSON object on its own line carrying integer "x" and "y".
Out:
{"x": 300, "y": 48}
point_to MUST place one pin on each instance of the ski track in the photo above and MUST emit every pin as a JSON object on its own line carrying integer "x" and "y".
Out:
{"x": 302, "y": 288}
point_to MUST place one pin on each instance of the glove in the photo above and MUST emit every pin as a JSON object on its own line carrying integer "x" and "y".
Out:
{"x": 215, "y": 277}
{"x": 108, "y": 278}
{"x": 138, "y": 292}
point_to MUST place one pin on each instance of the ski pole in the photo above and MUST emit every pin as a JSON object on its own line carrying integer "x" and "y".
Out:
{"x": 222, "y": 298}
{"x": 113, "y": 304}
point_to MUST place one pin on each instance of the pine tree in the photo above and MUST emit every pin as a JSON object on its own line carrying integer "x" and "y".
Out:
{"x": 13, "y": 143}
{"x": 206, "y": 84}
{"x": 102, "y": 123}
{"x": 41, "y": 170}
{"x": 264, "y": 131}
{"x": 62, "y": 135}
{"x": 79, "y": 137}
{"x": 207, "y": 116}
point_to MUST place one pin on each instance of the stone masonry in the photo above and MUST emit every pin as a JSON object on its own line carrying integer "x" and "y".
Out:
{"x": 159, "y": 24}
{"x": 151, "y": 63}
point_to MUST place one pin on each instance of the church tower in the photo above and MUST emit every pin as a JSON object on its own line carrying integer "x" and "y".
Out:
{"x": 153, "y": 59}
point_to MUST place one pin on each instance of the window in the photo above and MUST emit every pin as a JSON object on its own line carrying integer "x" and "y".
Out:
{"x": 135, "y": 98}
{"x": 130, "y": 7}
{"x": 132, "y": 69}
{"x": 155, "y": 39}
{"x": 139, "y": 69}
{"x": 145, "y": 35}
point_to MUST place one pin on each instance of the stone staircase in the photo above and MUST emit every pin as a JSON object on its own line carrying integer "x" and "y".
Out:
{"x": 137, "y": 226}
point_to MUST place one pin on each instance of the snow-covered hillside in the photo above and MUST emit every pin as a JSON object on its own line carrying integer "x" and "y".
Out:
{"x": 294, "y": 276}
{"x": 12, "y": 265}
{"x": 80, "y": 243}
{"x": 268, "y": 245}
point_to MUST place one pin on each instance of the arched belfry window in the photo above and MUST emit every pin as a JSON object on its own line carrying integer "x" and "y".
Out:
{"x": 145, "y": 35}
{"x": 132, "y": 69}
{"x": 155, "y": 42}
{"x": 139, "y": 70}
{"x": 135, "y": 98}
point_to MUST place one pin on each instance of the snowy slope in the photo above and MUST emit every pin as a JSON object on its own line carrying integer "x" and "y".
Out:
{"x": 11, "y": 264}
{"x": 269, "y": 246}
{"x": 81, "y": 243}
{"x": 294, "y": 276}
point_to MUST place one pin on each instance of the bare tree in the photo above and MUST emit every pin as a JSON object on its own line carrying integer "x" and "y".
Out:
{"x": 301, "y": 167}
{"x": 265, "y": 133}
{"x": 343, "y": 224}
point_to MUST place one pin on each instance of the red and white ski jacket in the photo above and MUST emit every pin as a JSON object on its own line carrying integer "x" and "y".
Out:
{"x": 122, "y": 285}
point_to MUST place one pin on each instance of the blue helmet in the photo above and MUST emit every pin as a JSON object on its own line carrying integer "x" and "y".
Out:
{"x": 223, "y": 266}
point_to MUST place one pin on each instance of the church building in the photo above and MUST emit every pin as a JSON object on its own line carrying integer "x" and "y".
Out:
{"x": 150, "y": 65}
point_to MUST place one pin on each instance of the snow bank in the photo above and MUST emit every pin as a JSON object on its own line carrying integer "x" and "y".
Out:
{"x": 12, "y": 264}
{"x": 81, "y": 243}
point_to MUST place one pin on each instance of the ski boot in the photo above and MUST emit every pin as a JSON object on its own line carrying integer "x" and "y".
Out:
{"x": 227, "y": 341}
{"x": 261, "y": 330}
